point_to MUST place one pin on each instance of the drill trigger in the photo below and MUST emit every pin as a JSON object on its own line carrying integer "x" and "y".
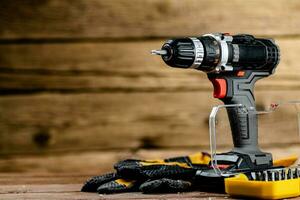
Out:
{"x": 220, "y": 87}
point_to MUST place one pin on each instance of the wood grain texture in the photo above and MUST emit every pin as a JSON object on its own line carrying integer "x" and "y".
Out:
{"x": 67, "y": 166}
{"x": 16, "y": 177}
{"x": 109, "y": 67}
{"x": 49, "y": 188}
{"x": 147, "y": 18}
{"x": 77, "y": 80}
{"x": 107, "y": 120}
{"x": 59, "y": 122}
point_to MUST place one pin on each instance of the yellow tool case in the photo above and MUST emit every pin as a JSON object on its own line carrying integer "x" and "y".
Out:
{"x": 269, "y": 184}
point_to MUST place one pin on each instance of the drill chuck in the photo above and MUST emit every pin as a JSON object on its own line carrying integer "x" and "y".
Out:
{"x": 221, "y": 52}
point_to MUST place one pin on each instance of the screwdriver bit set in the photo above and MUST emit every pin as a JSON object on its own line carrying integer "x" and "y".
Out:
{"x": 275, "y": 183}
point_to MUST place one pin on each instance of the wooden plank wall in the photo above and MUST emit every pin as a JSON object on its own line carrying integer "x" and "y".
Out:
{"x": 78, "y": 76}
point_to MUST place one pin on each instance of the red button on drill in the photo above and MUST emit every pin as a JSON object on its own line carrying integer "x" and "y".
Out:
{"x": 220, "y": 87}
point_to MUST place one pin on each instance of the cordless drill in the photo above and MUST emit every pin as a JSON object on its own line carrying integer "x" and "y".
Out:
{"x": 233, "y": 64}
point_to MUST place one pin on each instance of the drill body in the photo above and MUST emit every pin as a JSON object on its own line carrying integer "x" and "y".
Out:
{"x": 233, "y": 64}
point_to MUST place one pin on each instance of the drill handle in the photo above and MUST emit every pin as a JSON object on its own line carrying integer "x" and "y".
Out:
{"x": 238, "y": 89}
{"x": 243, "y": 123}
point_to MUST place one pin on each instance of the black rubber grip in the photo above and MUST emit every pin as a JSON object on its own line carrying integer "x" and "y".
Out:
{"x": 243, "y": 120}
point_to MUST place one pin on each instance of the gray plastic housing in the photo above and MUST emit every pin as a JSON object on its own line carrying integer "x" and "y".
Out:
{"x": 244, "y": 128}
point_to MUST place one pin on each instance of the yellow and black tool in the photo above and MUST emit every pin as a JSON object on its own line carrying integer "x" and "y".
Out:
{"x": 233, "y": 63}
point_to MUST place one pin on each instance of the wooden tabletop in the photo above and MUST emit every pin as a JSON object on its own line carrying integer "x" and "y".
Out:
{"x": 72, "y": 191}
{"x": 67, "y": 186}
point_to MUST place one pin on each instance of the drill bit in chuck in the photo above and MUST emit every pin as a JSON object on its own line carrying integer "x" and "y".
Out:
{"x": 159, "y": 52}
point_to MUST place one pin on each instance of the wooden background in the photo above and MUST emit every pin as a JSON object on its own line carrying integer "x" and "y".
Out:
{"x": 80, "y": 90}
